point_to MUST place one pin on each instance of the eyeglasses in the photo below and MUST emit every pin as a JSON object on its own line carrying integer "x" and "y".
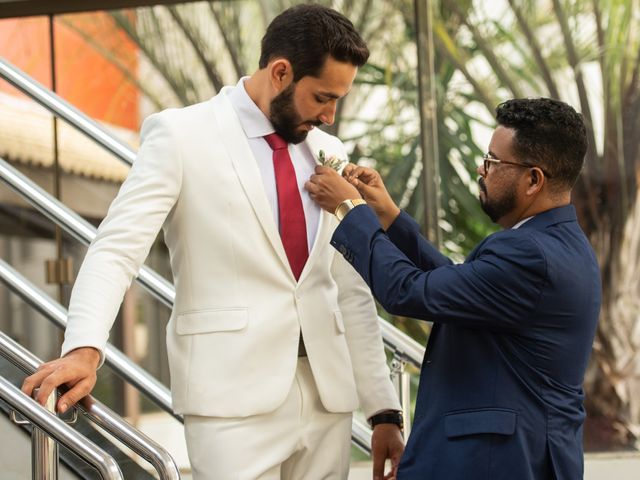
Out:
{"x": 488, "y": 159}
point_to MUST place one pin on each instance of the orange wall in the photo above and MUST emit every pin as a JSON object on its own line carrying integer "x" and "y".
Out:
{"x": 84, "y": 77}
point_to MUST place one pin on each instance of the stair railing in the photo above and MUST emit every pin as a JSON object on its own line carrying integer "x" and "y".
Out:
{"x": 58, "y": 430}
{"x": 100, "y": 415}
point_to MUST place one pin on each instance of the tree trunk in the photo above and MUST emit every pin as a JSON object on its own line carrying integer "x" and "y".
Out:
{"x": 613, "y": 379}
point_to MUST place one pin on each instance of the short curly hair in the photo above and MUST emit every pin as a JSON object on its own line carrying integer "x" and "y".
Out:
{"x": 548, "y": 133}
{"x": 307, "y": 34}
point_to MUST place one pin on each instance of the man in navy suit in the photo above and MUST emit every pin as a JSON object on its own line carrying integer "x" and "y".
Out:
{"x": 500, "y": 392}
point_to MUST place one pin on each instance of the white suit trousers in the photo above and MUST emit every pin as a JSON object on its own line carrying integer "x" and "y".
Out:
{"x": 298, "y": 441}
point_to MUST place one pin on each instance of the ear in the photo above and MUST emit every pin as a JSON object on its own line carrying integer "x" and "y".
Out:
{"x": 535, "y": 181}
{"x": 280, "y": 74}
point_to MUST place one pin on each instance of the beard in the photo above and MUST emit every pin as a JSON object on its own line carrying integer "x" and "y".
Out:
{"x": 496, "y": 209}
{"x": 285, "y": 119}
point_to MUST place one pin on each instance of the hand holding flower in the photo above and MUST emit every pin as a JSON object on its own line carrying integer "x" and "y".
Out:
{"x": 370, "y": 185}
{"x": 328, "y": 188}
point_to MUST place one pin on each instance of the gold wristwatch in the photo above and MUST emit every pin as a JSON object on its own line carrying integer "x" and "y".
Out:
{"x": 345, "y": 207}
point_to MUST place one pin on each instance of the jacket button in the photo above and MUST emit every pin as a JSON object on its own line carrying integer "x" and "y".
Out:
{"x": 343, "y": 249}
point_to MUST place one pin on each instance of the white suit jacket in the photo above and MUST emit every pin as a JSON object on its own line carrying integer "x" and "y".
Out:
{"x": 233, "y": 334}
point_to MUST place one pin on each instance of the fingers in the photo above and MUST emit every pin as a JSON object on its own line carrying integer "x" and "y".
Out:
{"x": 378, "y": 465}
{"x": 364, "y": 174}
{"x": 396, "y": 454}
{"x": 76, "y": 393}
{"x": 348, "y": 169}
{"x": 311, "y": 187}
{"x": 321, "y": 169}
{"x": 315, "y": 180}
{"x": 75, "y": 372}
{"x": 351, "y": 171}
{"x": 314, "y": 184}
{"x": 61, "y": 375}
{"x": 48, "y": 385}
{"x": 386, "y": 442}
{"x": 367, "y": 191}
{"x": 45, "y": 380}
{"x": 48, "y": 377}
{"x": 34, "y": 381}
{"x": 378, "y": 453}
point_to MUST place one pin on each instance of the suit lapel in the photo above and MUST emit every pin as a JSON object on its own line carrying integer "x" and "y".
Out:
{"x": 325, "y": 222}
{"x": 246, "y": 168}
{"x": 321, "y": 240}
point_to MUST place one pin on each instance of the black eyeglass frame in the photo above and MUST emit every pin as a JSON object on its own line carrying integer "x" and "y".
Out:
{"x": 487, "y": 159}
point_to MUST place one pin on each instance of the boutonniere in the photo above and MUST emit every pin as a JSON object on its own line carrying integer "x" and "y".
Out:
{"x": 331, "y": 161}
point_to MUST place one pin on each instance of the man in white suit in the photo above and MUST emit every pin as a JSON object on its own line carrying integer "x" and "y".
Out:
{"x": 273, "y": 340}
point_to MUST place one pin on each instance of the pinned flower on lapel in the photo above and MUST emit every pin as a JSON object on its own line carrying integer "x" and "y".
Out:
{"x": 331, "y": 161}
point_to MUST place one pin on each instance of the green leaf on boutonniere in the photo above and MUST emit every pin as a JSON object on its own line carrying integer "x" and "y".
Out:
{"x": 331, "y": 161}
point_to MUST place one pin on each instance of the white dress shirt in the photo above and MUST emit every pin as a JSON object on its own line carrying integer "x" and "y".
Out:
{"x": 256, "y": 125}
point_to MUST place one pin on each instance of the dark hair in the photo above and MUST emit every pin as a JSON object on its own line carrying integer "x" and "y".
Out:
{"x": 307, "y": 34}
{"x": 548, "y": 133}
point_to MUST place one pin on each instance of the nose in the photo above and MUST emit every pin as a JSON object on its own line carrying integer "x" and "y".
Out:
{"x": 480, "y": 170}
{"x": 328, "y": 115}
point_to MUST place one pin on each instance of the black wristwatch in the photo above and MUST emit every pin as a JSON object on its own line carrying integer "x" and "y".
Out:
{"x": 390, "y": 416}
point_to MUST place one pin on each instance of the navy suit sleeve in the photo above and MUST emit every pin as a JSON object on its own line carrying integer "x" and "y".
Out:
{"x": 497, "y": 289}
{"x": 404, "y": 232}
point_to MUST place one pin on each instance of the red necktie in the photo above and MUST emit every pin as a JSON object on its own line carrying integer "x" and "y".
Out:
{"x": 293, "y": 226}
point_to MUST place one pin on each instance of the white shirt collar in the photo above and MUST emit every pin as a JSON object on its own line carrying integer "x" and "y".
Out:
{"x": 522, "y": 222}
{"x": 253, "y": 121}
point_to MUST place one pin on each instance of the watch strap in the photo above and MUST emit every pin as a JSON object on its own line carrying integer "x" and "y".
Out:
{"x": 346, "y": 206}
{"x": 393, "y": 417}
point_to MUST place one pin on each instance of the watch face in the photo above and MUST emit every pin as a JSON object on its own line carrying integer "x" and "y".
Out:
{"x": 343, "y": 208}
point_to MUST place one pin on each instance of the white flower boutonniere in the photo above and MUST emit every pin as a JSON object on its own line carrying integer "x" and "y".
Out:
{"x": 331, "y": 161}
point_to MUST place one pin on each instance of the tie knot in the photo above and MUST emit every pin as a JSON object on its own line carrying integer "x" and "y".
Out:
{"x": 275, "y": 141}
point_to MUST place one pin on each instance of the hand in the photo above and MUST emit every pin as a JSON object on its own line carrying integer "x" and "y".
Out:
{"x": 328, "y": 189}
{"x": 371, "y": 187}
{"x": 77, "y": 370}
{"x": 386, "y": 442}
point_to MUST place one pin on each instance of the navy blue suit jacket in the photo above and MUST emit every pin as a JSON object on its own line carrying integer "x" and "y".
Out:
{"x": 500, "y": 393}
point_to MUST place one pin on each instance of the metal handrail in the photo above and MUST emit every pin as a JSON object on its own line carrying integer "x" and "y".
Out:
{"x": 76, "y": 226}
{"x": 361, "y": 436}
{"x": 63, "y": 109}
{"x": 100, "y": 415}
{"x": 402, "y": 345}
{"x": 121, "y": 364}
{"x": 60, "y": 431}
{"x": 410, "y": 350}
{"x": 117, "y": 360}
